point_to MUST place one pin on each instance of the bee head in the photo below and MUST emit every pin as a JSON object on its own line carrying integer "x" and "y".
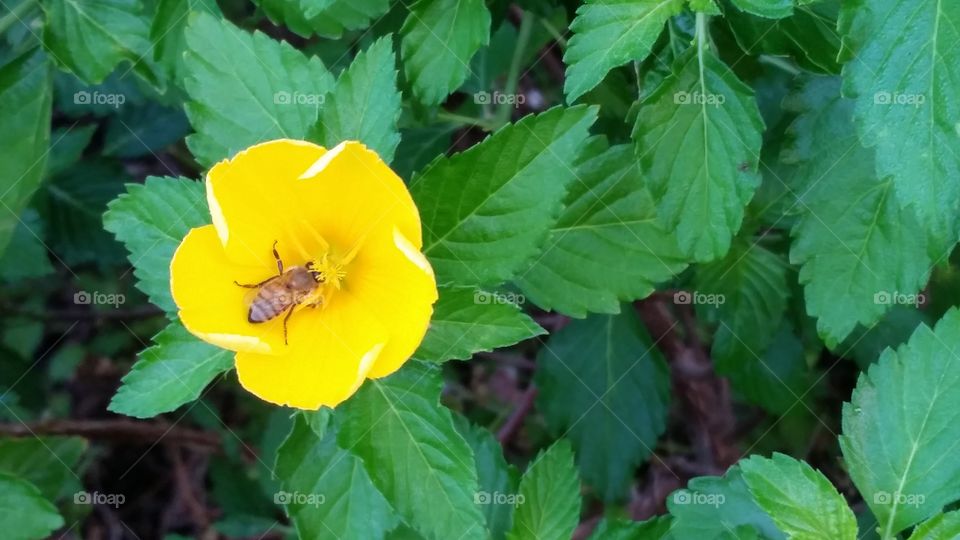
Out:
{"x": 317, "y": 275}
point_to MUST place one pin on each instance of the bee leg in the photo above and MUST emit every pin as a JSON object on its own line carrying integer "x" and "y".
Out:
{"x": 277, "y": 257}
{"x": 285, "y": 319}
{"x": 251, "y": 285}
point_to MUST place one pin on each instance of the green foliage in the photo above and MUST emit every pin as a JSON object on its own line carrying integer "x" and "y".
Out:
{"x": 24, "y": 513}
{"x": 551, "y": 502}
{"x": 605, "y": 388}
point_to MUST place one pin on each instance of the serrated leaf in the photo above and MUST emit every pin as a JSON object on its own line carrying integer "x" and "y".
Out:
{"x": 799, "y": 499}
{"x": 605, "y": 386}
{"x": 902, "y": 63}
{"x": 365, "y": 104}
{"x": 24, "y": 513}
{"x": 439, "y": 39}
{"x": 771, "y": 9}
{"x": 171, "y": 372}
{"x": 900, "y": 429}
{"x": 167, "y": 33}
{"x": 607, "y": 245}
{"x": 413, "y": 453}
{"x": 90, "y": 37}
{"x": 25, "y": 106}
{"x": 151, "y": 219}
{"x": 698, "y": 139}
{"x": 326, "y": 490}
{"x": 467, "y": 321}
{"x": 550, "y": 493}
{"x": 498, "y": 481}
{"x": 327, "y": 18}
{"x": 485, "y": 211}
{"x": 280, "y": 96}
{"x": 809, "y": 35}
{"x": 940, "y": 527}
{"x": 776, "y": 379}
{"x": 719, "y": 507}
{"x": 46, "y": 462}
{"x": 656, "y": 528}
{"x": 752, "y": 282}
{"x": 610, "y": 33}
{"x": 860, "y": 250}
{"x": 708, "y": 7}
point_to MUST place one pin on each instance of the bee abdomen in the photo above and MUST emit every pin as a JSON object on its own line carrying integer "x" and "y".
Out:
{"x": 265, "y": 308}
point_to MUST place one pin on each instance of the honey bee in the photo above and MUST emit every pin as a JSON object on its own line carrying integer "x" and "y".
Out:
{"x": 283, "y": 292}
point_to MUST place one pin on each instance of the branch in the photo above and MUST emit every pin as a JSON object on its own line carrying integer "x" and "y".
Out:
{"x": 121, "y": 430}
{"x": 513, "y": 423}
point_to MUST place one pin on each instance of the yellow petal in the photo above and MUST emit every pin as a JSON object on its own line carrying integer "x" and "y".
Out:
{"x": 305, "y": 198}
{"x": 331, "y": 350}
{"x": 211, "y": 305}
{"x": 395, "y": 281}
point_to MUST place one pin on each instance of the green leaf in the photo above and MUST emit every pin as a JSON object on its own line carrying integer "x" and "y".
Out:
{"x": 326, "y": 490}
{"x": 939, "y": 527}
{"x": 771, "y": 9}
{"x": 25, "y": 107}
{"x": 549, "y": 499}
{"x": 327, "y": 18}
{"x": 498, "y": 481}
{"x": 90, "y": 37}
{"x": 656, "y": 528}
{"x": 809, "y": 35}
{"x": 698, "y": 139}
{"x": 866, "y": 344}
{"x": 280, "y": 96}
{"x": 467, "y": 321}
{"x": 607, "y": 389}
{"x": 800, "y": 499}
{"x": 752, "y": 282}
{"x": 860, "y": 251}
{"x": 486, "y": 210}
{"x": 24, "y": 513}
{"x": 719, "y": 507}
{"x": 439, "y": 39}
{"x": 173, "y": 371}
{"x": 777, "y": 379}
{"x": 905, "y": 105}
{"x": 46, "y": 462}
{"x": 151, "y": 219}
{"x": 167, "y": 33}
{"x": 900, "y": 429}
{"x": 26, "y": 255}
{"x": 610, "y": 33}
{"x": 607, "y": 246}
{"x": 365, "y": 104}
{"x": 413, "y": 452}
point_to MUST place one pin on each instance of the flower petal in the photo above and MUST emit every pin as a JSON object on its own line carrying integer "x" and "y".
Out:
{"x": 330, "y": 353}
{"x": 395, "y": 281}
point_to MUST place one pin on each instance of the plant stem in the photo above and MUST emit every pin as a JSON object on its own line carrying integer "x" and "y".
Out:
{"x": 465, "y": 120}
{"x": 513, "y": 76}
{"x": 779, "y": 63}
{"x": 16, "y": 14}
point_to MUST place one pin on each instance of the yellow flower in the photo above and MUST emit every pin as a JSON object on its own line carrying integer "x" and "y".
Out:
{"x": 340, "y": 217}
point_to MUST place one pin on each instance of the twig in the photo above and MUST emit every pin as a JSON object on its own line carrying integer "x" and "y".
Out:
{"x": 513, "y": 423}
{"x": 144, "y": 312}
{"x": 118, "y": 430}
